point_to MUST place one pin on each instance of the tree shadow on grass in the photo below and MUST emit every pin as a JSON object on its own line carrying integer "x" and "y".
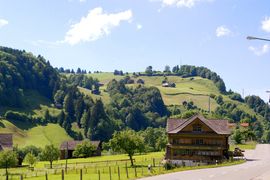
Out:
{"x": 22, "y": 125}
{"x": 2, "y": 124}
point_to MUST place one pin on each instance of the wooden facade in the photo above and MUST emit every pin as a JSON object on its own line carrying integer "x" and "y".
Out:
{"x": 197, "y": 139}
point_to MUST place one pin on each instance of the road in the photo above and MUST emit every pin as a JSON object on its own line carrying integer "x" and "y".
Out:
{"x": 257, "y": 167}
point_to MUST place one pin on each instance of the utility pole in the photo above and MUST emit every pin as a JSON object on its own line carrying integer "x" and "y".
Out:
{"x": 66, "y": 157}
{"x": 209, "y": 104}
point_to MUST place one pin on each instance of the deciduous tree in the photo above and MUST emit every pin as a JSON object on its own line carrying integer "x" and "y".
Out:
{"x": 127, "y": 141}
{"x": 50, "y": 153}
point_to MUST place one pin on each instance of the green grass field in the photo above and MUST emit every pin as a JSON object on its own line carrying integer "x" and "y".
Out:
{"x": 246, "y": 146}
{"x": 94, "y": 167}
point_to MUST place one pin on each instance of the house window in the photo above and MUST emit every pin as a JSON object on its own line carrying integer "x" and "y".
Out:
{"x": 175, "y": 141}
{"x": 197, "y": 128}
{"x": 199, "y": 142}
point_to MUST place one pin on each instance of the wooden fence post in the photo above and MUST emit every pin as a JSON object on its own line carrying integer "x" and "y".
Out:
{"x": 80, "y": 174}
{"x": 135, "y": 171}
{"x": 118, "y": 173}
{"x": 46, "y": 176}
{"x": 126, "y": 170}
{"x": 63, "y": 176}
{"x": 154, "y": 163}
{"x": 21, "y": 178}
{"x": 98, "y": 174}
{"x": 142, "y": 170}
{"x": 110, "y": 172}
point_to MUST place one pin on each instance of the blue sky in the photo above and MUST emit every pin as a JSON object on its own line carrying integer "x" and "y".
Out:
{"x": 130, "y": 35}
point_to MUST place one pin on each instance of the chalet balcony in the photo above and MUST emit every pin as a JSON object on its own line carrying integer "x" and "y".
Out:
{"x": 197, "y": 146}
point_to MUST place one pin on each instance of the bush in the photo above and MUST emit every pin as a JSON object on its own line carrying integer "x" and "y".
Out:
{"x": 130, "y": 81}
{"x": 236, "y": 96}
{"x": 140, "y": 81}
{"x": 168, "y": 165}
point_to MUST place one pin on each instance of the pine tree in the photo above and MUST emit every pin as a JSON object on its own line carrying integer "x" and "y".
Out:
{"x": 68, "y": 105}
{"x": 61, "y": 118}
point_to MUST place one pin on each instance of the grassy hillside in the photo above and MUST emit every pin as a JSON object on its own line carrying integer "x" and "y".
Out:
{"x": 194, "y": 89}
{"x": 187, "y": 89}
{"x": 26, "y": 134}
{"x": 35, "y": 104}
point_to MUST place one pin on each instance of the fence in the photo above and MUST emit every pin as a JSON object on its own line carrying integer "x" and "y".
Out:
{"x": 112, "y": 170}
{"x": 122, "y": 171}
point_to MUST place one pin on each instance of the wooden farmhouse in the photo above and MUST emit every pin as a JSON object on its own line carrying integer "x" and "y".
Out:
{"x": 69, "y": 147}
{"x": 196, "y": 140}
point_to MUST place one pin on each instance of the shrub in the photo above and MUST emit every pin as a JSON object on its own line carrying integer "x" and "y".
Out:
{"x": 168, "y": 165}
{"x": 140, "y": 81}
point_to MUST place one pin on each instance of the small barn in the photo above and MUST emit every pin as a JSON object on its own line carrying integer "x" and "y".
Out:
{"x": 6, "y": 141}
{"x": 70, "y": 146}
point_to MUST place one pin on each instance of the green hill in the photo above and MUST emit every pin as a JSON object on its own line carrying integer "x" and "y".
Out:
{"x": 26, "y": 86}
{"x": 194, "y": 89}
{"x": 25, "y": 134}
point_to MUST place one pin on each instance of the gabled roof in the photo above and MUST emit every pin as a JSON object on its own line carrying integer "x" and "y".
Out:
{"x": 219, "y": 126}
{"x": 72, "y": 144}
{"x": 6, "y": 141}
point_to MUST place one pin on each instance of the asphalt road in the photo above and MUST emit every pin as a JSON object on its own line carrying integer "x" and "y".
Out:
{"x": 257, "y": 167}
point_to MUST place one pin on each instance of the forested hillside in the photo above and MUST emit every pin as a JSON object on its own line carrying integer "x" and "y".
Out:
{"x": 39, "y": 101}
{"x": 35, "y": 94}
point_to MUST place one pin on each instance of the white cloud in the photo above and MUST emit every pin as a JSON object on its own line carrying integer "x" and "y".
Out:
{"x": 261, "y": 50}
{"x": 266, "y": 24}
{"x": 3, "y": 22}
{"x": 222, "y": 31}
{"x": 139, "y": 26}
{"x": 181, "y": 3}
{"x": 82, "y": 0}
{"x": 95, "y": 25}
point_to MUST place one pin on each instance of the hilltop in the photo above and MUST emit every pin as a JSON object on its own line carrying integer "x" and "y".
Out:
{"x": 195, "y": 89}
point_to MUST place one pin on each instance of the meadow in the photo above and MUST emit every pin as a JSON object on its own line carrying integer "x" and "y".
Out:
{"x": 194, "y": 89}
{"x": 111, "y": 167}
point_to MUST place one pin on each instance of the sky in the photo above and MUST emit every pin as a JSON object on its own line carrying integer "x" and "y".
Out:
{"x": 130, "y": 35}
